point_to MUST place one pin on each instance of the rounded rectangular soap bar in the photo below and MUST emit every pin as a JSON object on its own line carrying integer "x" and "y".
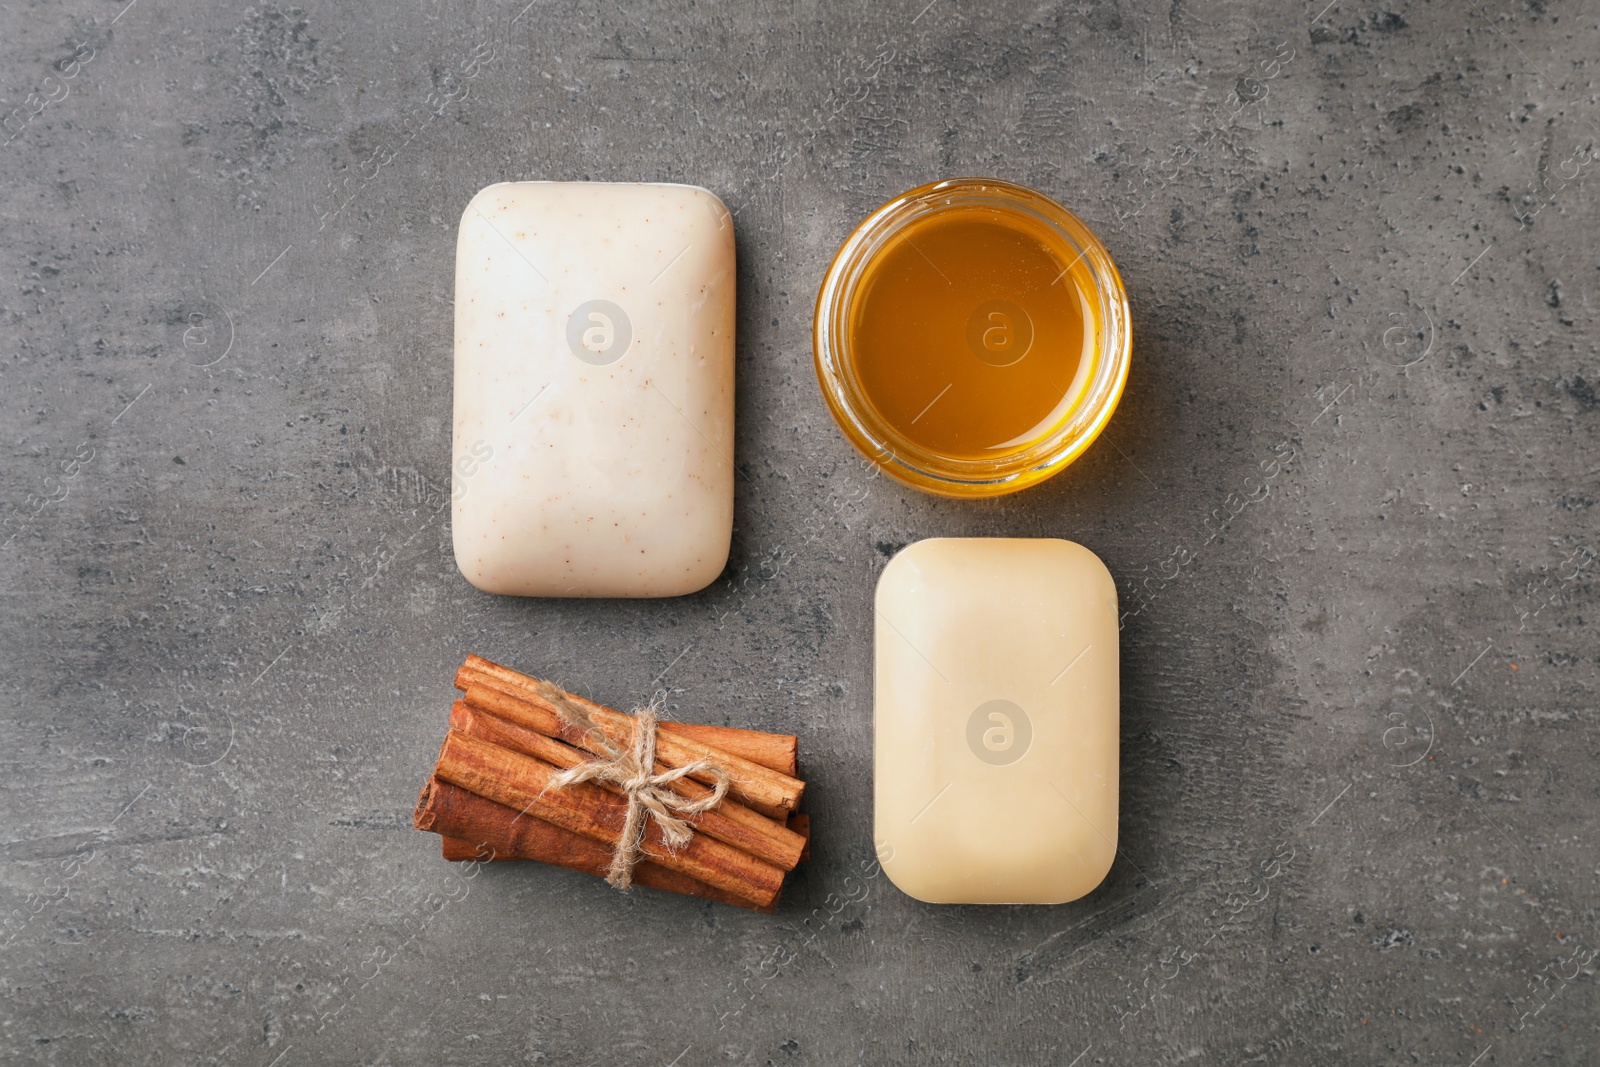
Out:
{"x": 996, "y": 721}
{"x": 593, "y": 431}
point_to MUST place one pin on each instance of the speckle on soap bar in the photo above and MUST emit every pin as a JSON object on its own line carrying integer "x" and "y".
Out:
{"x": 593, "y": 435}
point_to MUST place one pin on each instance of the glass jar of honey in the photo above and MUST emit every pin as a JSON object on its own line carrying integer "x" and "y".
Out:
{"x": 972, "y": 337}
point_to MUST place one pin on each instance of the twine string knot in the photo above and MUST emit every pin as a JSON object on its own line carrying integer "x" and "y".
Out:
{"x": 632, "y": 771}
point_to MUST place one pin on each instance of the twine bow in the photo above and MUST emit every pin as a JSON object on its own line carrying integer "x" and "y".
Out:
{"x": 633, "y": 772}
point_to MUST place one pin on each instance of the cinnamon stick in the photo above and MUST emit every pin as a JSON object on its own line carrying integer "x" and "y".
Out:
{"x": 800, "y": 823}
{"x": 730, "y": 822}
{"x": 769, "y": 792}
{"x": 526, "y": 784}
{"x": 476, "y": 828}
{"x": 779, "y": 752}
{"x": 537, "y": 717}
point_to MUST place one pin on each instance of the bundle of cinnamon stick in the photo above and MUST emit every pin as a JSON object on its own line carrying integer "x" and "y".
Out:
{"x": 494, "y": 792}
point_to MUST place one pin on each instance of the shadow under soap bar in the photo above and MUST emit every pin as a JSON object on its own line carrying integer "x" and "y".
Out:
{"x": 593, "y": 430}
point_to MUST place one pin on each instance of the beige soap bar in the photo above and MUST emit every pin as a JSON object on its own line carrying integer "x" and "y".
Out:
{"x": 593, "y": 436}
{"x": 996, "y": 721}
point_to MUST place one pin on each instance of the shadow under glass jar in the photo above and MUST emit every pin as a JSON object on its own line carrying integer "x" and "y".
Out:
{"x": 972, "y": 337}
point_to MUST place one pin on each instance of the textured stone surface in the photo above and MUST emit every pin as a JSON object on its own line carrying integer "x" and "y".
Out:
{"x": 1349, "y": 499}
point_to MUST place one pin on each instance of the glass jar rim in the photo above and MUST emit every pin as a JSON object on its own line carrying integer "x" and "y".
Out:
{"x": 921, "y": 467}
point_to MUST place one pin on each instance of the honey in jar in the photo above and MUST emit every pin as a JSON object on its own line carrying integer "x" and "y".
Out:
{"x": 968, "y": 332}
{"x": 972, "y": 337}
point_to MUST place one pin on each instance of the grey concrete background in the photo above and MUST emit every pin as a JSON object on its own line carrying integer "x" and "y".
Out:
{"x": 1349, "y": 499}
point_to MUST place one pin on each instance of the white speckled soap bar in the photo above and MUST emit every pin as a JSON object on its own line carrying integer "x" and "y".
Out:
{"x": 593, "y": 450}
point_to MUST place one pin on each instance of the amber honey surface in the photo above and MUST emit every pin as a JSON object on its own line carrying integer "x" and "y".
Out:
{"x": 968, "y": 331}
